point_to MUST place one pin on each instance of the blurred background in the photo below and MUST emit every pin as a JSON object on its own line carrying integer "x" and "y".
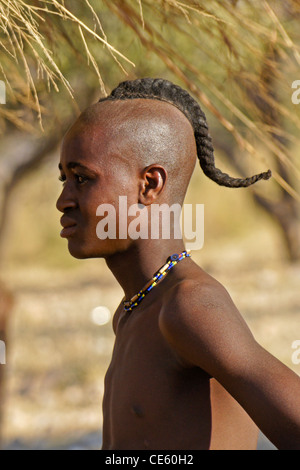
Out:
{"x": 239, "y": 59}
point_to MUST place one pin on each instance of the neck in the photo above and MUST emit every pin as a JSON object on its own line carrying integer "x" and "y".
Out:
{"x": 135, "y": 266}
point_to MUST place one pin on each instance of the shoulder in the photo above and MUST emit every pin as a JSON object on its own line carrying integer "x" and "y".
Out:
{"x": 201, "y": 322}
{"x": 198, "y": 299}
{"x": 202, "y": 291}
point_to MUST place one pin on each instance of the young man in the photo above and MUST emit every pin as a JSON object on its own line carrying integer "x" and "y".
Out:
{"x": 186, "y": 372}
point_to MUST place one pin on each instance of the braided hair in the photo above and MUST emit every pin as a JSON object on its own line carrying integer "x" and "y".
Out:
{"x": 163, "y": 90}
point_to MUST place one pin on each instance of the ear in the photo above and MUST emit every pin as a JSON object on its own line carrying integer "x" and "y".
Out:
{"x": 152, "y": 183}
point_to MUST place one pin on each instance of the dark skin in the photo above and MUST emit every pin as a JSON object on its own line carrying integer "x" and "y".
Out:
{"x": 186, "y": 372}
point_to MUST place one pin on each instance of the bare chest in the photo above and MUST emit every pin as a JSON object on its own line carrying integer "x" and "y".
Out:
{"x": 148, "y": 395}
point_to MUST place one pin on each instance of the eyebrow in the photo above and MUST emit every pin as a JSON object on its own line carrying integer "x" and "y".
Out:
{"x": 72, "y": 165}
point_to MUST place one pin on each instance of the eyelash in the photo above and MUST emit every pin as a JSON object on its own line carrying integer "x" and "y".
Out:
{"x": 77, "y": 177}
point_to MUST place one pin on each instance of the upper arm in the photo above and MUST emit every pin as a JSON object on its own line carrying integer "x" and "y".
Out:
{"x": 204, "y": 327}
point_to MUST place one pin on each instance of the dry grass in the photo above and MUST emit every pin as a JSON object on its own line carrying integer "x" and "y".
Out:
{"x": 238, "y": 40}
{"x": 24, "y": 31}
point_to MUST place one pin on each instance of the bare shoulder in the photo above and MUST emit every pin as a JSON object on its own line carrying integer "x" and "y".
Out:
{"x": 201, "y": 322}
{"x": 201, "y": 298}
{"x": 198, "y": 291}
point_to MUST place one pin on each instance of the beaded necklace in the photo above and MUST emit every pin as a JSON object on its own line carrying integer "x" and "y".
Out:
{"x": 171, "y": 261}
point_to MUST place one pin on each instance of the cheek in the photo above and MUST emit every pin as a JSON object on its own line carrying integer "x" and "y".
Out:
{"x": 88, "y": 205}
{"x": 95, "y": 214}
{"x": 110, "y": 202}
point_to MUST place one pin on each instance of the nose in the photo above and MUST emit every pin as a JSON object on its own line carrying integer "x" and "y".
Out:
{"x": 66, "y": 200}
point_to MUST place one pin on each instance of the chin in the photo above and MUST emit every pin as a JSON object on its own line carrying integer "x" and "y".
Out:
{"x": 87, "y": 251}
{"x": 79, "y": 250}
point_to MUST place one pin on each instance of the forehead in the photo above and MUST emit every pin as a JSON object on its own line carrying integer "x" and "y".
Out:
{"x": 128, "y": 132}
{"x": 91, "y": 143}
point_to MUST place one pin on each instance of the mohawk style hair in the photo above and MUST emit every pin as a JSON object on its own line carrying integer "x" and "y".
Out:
{"x": 163, "y": 90}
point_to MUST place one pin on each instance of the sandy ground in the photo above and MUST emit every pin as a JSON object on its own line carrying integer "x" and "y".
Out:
{"x": 58, "y": 352}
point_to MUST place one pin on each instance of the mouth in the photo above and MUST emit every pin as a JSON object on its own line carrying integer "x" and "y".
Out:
{"x": 69, "y": 227}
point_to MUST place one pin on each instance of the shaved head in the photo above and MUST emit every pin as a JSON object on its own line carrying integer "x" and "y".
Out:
{"x": 142, "y": 149}
{"x": 141, "y": 133}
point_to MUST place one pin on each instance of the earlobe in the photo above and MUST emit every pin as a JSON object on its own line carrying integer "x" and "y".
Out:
{"x": 153, "y": 181}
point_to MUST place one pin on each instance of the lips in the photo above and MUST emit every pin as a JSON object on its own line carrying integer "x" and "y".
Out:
{"x": 69, "y": 227}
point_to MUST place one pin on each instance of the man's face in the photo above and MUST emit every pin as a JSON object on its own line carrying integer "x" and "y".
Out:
{"x": 93, "y": 173}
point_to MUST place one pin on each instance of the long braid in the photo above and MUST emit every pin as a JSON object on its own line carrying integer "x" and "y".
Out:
{"x": 163, "y": 90}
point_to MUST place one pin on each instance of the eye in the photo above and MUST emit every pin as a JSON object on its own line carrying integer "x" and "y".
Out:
{"x": 81, "y": 179}
{"x": 78, "y": 178}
